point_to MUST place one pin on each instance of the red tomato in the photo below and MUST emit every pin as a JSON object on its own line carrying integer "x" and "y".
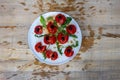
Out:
{"x": 60, "y": 18}
{"x": 49, "y": 39}
{"x": 49, "y": 53}
{"x": 38, "y": 29}
{"x": 51, "y": 28}
{"x": 68, "y": 51}
{"x": 62, "y": 38}
{"x": 54, "y": 56}
{"x": 39, "y": 47}
{"x": 71, "y": 29}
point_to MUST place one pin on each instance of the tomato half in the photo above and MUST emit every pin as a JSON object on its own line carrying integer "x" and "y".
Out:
{"x": 60, "y": 18}
{"x": 62, "y": 38}
{"x": 71, "y": 29}
{"x": 38, "y": 29}
{"x": 68, "y": 51}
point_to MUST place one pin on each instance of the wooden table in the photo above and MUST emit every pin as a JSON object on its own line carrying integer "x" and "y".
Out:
{"x": 98, "y": 59}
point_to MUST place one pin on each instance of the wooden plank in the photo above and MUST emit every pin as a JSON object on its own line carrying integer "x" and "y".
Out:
{"x": 98, "y": 58}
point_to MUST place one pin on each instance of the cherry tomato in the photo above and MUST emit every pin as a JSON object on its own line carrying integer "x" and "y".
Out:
{"x": 68, "y": 51}
{"x": 71, "y": 29}
{"x": 54, "y": 56}
{"x": 49, "y": 53}
{"x": 60, "y": 18}
{"x": 51, "y": 28}
{"x": 62, "y": 38}
{"x": 38, "y": 29}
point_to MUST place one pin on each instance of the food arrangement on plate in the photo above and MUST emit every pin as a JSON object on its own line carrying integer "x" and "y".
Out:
{"x": 55, "y": 38}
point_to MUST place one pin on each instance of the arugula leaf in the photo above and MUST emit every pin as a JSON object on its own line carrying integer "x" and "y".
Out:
{"x": 74, "y": 36}
{"x": 55, "y": 23}
{"x": 56, "y": 34}
{"x": 59, "y": 50}
{"x": 49, "y": 18}
{"x": 64, "y": 32}
{"x": 39, "y": 35}
{"x": 42, "y": 20}
{"x": 60, "y": 29}
{"x": 68, "y": 20}
{"x": 75, "y": 45}
{"x": 44, "y": 55}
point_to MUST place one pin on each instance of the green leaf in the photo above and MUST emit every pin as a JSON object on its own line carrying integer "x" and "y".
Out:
{"x": 75, "y": 45}
{"x": 64, "y": 32}
{"x": 68, "y": 20}
{"x": 56, "y": 34}
{"x": 55, "y": 23}
{"x": 60, "y": 29}
{"x": 63, "y": 26}
{"x": 42, "y": 20}
{"x": 39, "y": 35}
{"x": 74, "y": 36}
{"x": 59, "y": 50}
{"x": 44, "y": 55}
{"x": 49, "y": 18}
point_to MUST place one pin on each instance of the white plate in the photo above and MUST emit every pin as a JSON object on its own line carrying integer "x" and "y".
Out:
{"x": 32, "y": 40}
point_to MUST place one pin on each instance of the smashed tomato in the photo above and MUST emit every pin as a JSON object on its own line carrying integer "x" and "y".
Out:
{"x": 54, "y": 56}
{"x": 62, "y": 38}
{"x": 38, "y": 29}
{"x": 60, "y": 18}
{"x": 68, "y": 51}
{"x": 49, "y": 53}
{"x": 71, "y": 29}
{"x": 51, "y": 28}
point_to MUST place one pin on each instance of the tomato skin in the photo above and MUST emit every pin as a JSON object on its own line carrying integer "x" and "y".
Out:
{"x": 38, "y": 29}
{"x": 71, "y": 29}
{"x": 62, "y": 38}
{"x": 39, "y": 47}
{"x": 49, "y": 53}
{"x": 54, "y": 56}
{"x": 68, "y": 51}
{"x": 51, "y": 28}
{"x": 60, "y": 18}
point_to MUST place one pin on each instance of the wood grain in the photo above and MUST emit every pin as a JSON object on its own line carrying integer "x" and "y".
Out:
{"x": 98, "y": 58}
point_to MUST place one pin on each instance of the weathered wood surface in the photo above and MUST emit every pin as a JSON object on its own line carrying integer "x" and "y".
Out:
{"x": 98, "y": 59}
